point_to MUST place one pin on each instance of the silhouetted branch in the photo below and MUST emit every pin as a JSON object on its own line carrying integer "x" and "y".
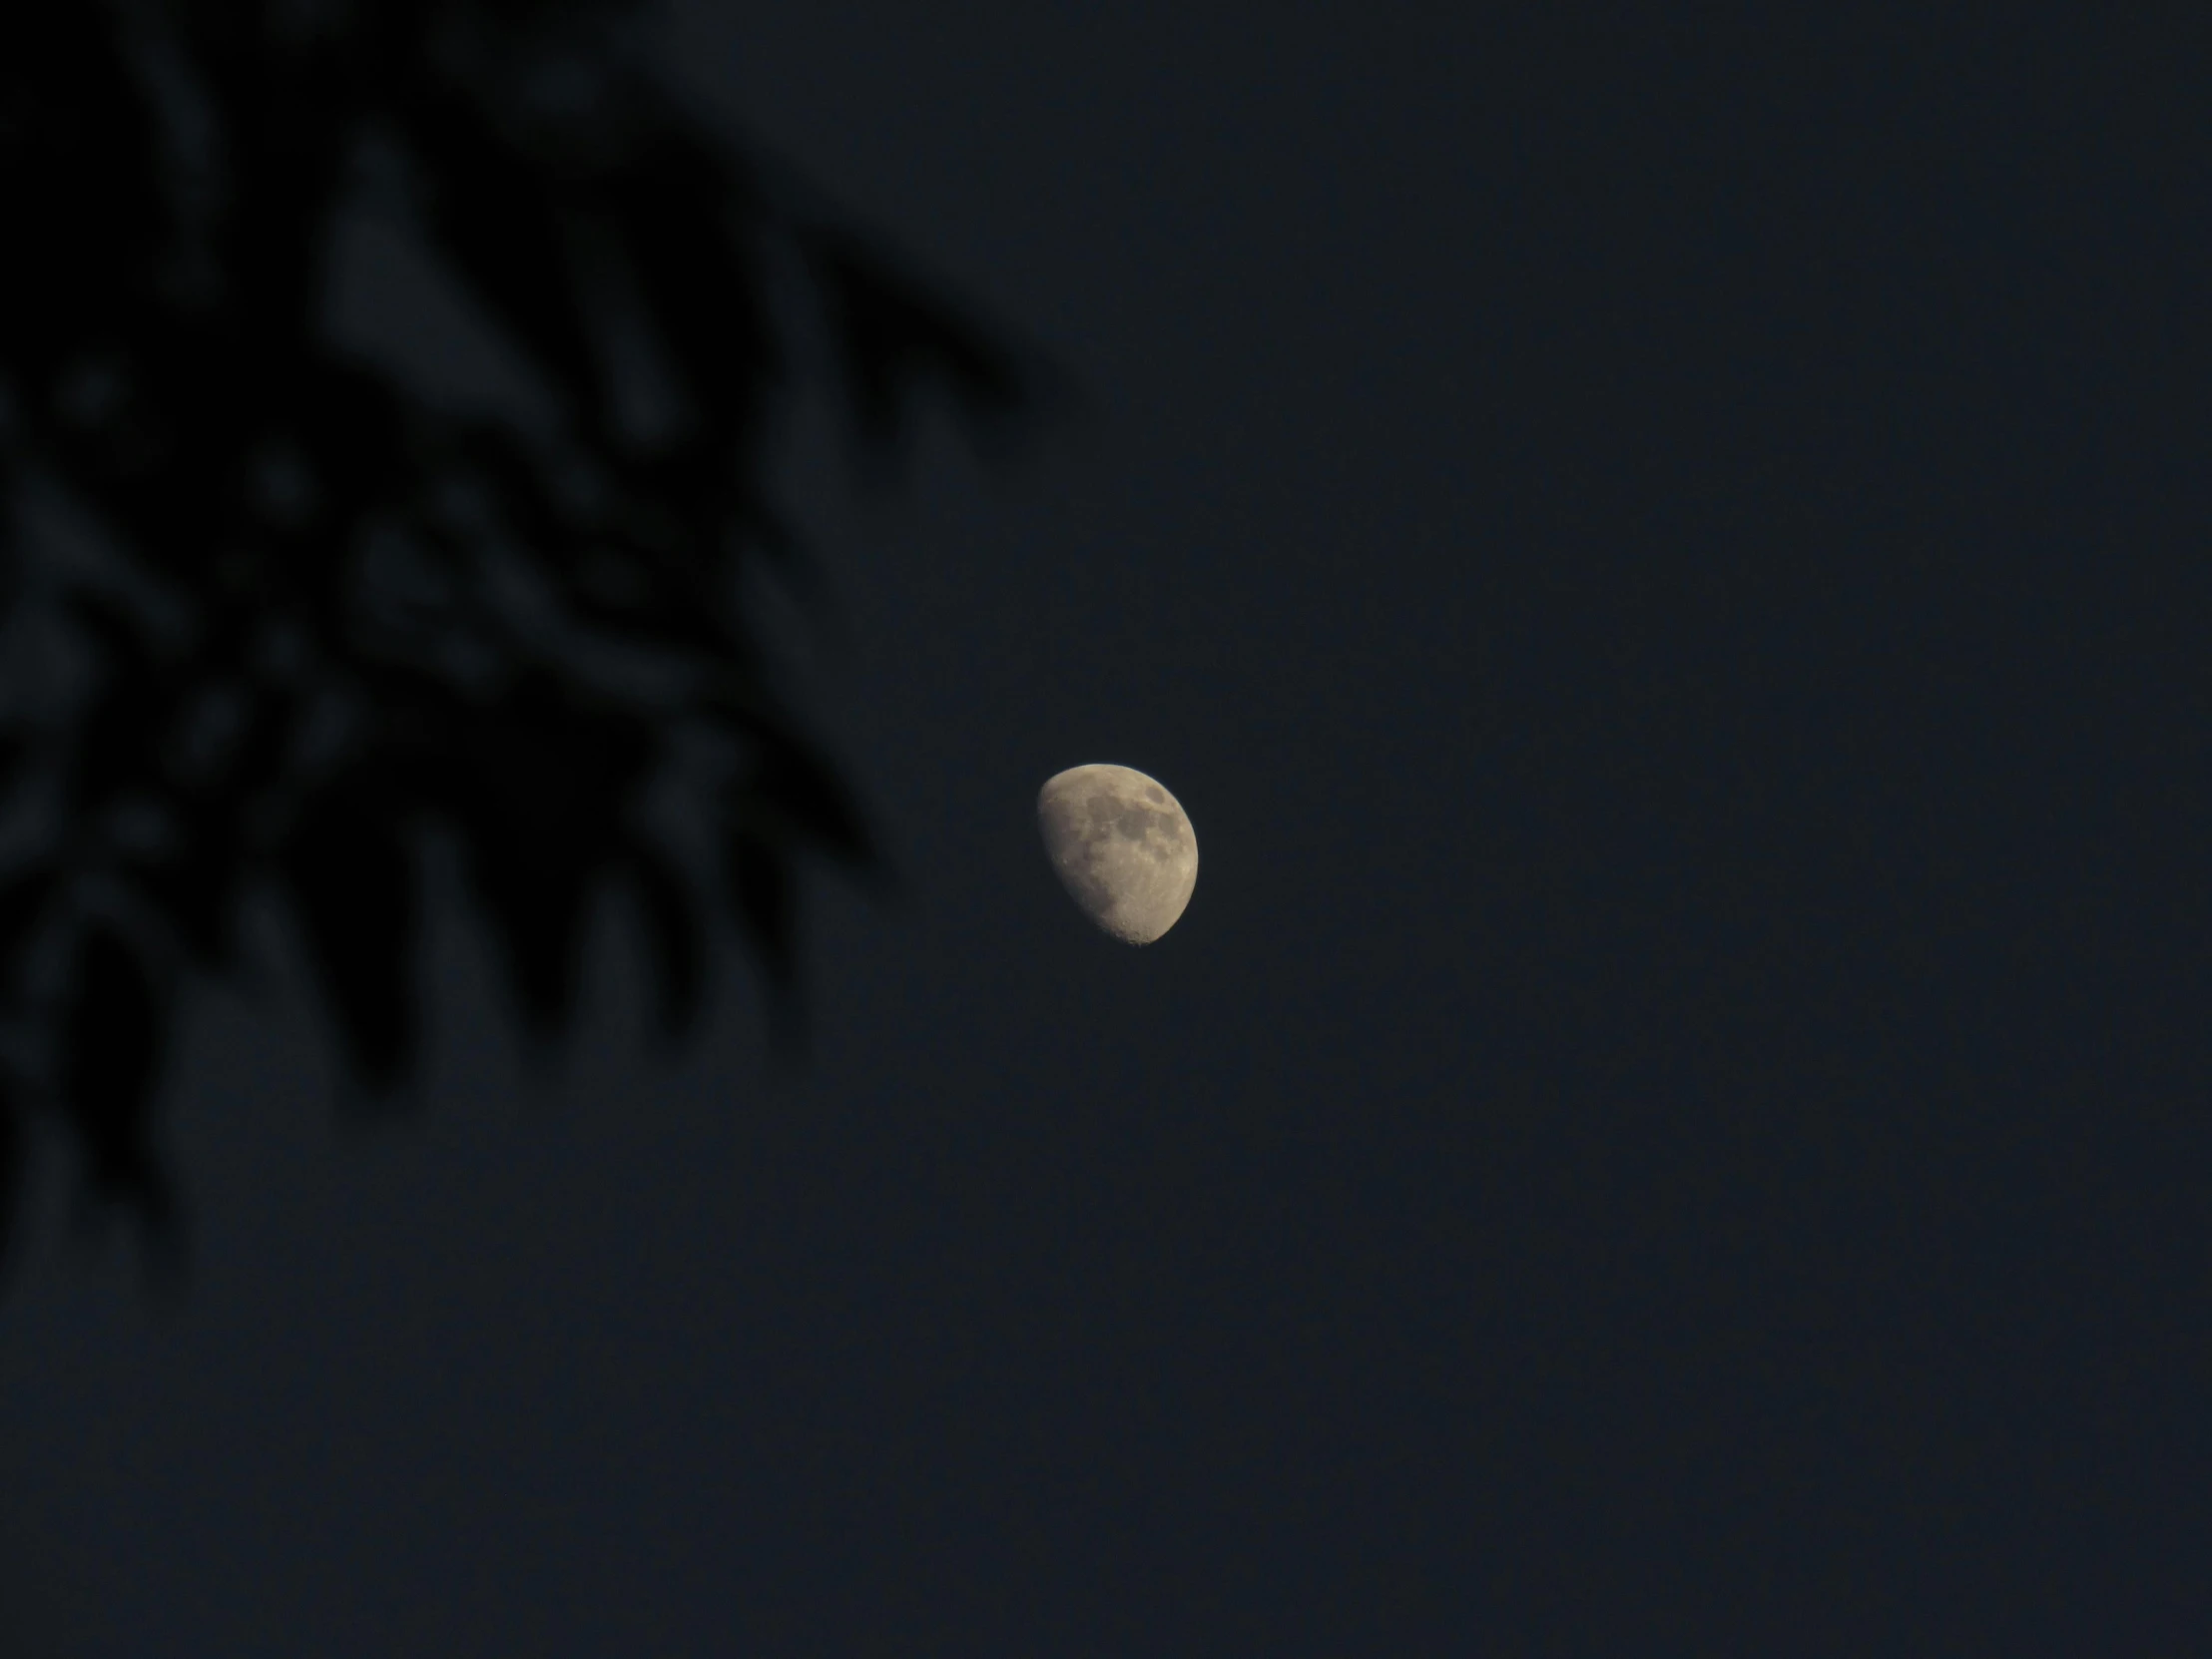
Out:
{"x": 310, "y": 612}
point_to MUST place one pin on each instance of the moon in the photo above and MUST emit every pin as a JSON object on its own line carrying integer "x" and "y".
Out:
{"x": 1121, "y": 846}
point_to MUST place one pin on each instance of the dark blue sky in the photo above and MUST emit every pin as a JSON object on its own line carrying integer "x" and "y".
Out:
{"x": 1665, "y": 559}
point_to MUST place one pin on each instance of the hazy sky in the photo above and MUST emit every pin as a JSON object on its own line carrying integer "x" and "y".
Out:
{"x": 1665, "y": 562}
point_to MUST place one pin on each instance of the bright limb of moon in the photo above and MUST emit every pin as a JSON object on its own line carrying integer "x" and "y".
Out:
{"x": 1121, "y": 846}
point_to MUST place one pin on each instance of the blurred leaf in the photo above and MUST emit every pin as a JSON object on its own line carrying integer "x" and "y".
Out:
{"x": 894, "y": 335}
{"x": 535, "y": 900}
{"x": 117, "y": 740}
{"x": 800, "y": 790}
{"x": 15, "y": 750}
{"x": 353, "y": 427}
{"x": 271, "y": 725}
{"x": 675, "y": 204}
{"x": 117, "y": 736}
{"x": 496, "y": 215}
{"x": 24, "y": 900}
{"x": 352, "y": 885}
{"x": 671, "y": 934}
{"x": 763, "y": 895}
{"x": 15, "y": 1168}
{"x": 72, "y": 132}
{"x": 120, "y": 634}
{"x": 194, "y": 887}
{"x": 539, "y": 785}
{"x": 110, "y": 1042}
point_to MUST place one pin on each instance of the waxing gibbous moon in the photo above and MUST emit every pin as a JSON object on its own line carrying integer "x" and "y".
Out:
{"x": 1121, "y": 847}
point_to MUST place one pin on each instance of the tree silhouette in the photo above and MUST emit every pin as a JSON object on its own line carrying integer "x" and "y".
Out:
{"x": 311, "y": 612}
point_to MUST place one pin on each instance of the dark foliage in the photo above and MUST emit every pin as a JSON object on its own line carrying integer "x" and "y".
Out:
{"x": 328, "y": 614}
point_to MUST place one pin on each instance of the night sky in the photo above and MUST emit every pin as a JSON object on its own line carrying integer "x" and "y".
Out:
{"x": 1665, "y": 553}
